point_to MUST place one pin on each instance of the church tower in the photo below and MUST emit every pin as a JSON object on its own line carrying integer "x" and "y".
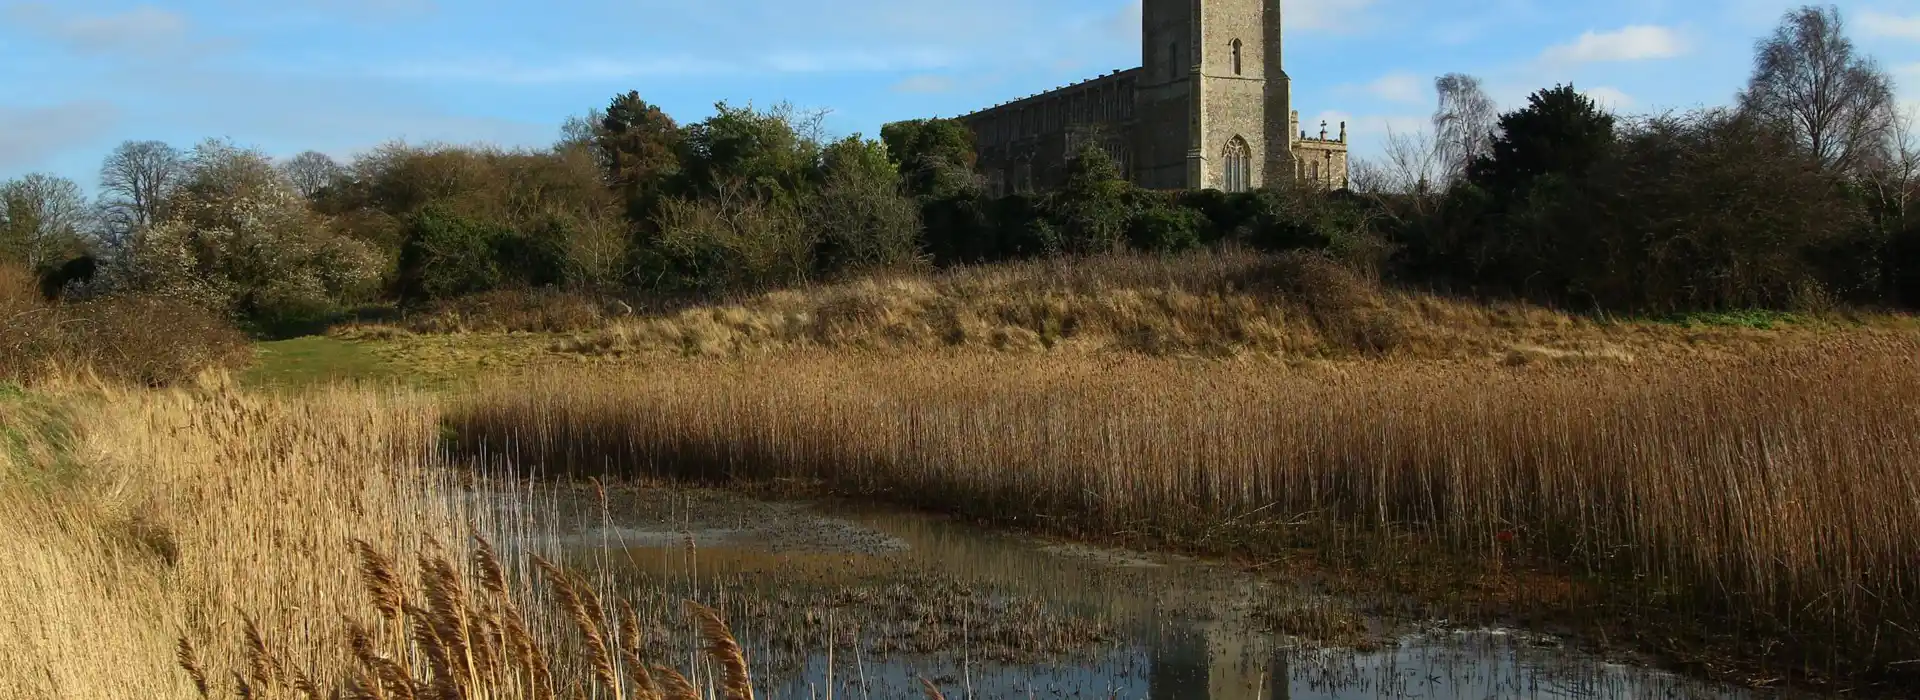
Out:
{"x": 1214, "y": 66}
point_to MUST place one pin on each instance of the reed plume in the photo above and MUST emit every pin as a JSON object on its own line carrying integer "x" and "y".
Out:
{"x": 675, "y": 686}
{"x": 932, "y": 691}
{"x": 190, "y": 663}
{"x": 599, "y": 656}
{"x": 721, "y": 647}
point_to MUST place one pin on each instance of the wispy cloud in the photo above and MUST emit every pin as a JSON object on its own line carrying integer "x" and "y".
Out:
{"x": 587, "y": 70}
{"x": 1609, "y": 98}
{"x": 857, "y": 60}
{"x": 143, "y": 31}
{"x": 1885, "y": 24}
{"x": 1642, "y": 42}
{"x": 604, "y": 69}
{"x": 1394, "y": 87}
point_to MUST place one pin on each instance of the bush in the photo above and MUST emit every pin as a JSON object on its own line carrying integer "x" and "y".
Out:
{"x": 732, "y": 242}
{"x": 1282, "y": 220}
{"x": 1167, "y": 229}
{"x": 539, "y": 257}
{"x": 447, "y": 256}
{"x": 960, "y": 229}
{"x": 1219, "y": 215}
{"x": 127, "y": 339}
{"x": 1091, "y": 210}
{"x": 859, "y": 215}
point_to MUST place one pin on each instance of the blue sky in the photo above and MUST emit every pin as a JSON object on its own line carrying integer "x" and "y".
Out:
{"x": 79, "y": 76}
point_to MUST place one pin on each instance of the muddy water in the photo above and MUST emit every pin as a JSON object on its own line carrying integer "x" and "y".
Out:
{"x": 859, "y": 603}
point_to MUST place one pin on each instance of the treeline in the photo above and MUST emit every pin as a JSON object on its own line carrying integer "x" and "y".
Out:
{"x": 1794, "y": 196}
{"x": 1797, "y": 195}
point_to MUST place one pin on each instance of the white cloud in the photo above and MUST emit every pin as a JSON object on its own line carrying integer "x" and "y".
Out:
{"x": 1635, "y": 43}
{"x": 1609, "y": 98}
{"x": 1398, "y": 87}
{"x": 1884, "y": 24}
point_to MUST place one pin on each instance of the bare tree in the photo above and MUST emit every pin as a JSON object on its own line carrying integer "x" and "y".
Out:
{"x": 311, "y": 172}
{"x": 1405, "y": 179}
{"x": 1807, "y": 75}
{"x": 42, "y": 218}
{"x": 135, "y": 181}
{"x": 1893, "y": 173}
{"x": 1463, "y": 124}
{"x": 580, "y": 132}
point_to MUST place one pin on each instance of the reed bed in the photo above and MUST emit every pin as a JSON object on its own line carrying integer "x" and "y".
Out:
{"x": 209, "y": 543}
{"x": 1772, "y": 498}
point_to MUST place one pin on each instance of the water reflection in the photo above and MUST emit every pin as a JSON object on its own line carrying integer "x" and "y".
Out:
{"x": 963, "y": 601}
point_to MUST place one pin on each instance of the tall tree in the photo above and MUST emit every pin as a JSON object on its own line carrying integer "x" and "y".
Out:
{"x": 43, "y": 219}
{"x": 136, "y": 180}
{"x": 1463, "y": 123}
{"x": 1808, "y": 76}
{"x": 311, "y": 172}
{"x": 1559, "y": 132}
{"x": 638, "y": 145}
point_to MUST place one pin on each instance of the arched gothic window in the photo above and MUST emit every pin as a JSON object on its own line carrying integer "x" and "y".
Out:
{"x": 1236, "y": 56}
{"x": 1313, "y": 171}
{"x": 1237, "y": 166}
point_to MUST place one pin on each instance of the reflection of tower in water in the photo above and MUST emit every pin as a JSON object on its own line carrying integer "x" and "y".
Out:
{"x": 1207, "y": 662}
{"x": 1215, "y": 661}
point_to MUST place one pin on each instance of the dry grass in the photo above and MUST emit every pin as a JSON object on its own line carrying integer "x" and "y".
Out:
{"x": 1771, "y": 496}
{"x": 1212, "y": 303}
{"x": 218, "y": 544}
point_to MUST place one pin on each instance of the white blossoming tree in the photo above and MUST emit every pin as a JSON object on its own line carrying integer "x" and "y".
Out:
{"x": 239, "y": 238}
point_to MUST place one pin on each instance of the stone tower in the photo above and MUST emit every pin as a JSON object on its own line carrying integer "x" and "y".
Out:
{"x": 1210, "y": 107}
{"x": 1215, "y": 66}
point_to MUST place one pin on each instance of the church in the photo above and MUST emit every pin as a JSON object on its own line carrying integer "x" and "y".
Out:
{"x": 1210, "y": 108}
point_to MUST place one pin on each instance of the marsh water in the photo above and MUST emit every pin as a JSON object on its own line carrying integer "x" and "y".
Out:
{"x": 834, "y": 601}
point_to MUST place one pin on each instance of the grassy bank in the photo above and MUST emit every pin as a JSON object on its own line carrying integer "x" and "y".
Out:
{"x": 1208, "y": 304}
{"x": 1763, "y": 504}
